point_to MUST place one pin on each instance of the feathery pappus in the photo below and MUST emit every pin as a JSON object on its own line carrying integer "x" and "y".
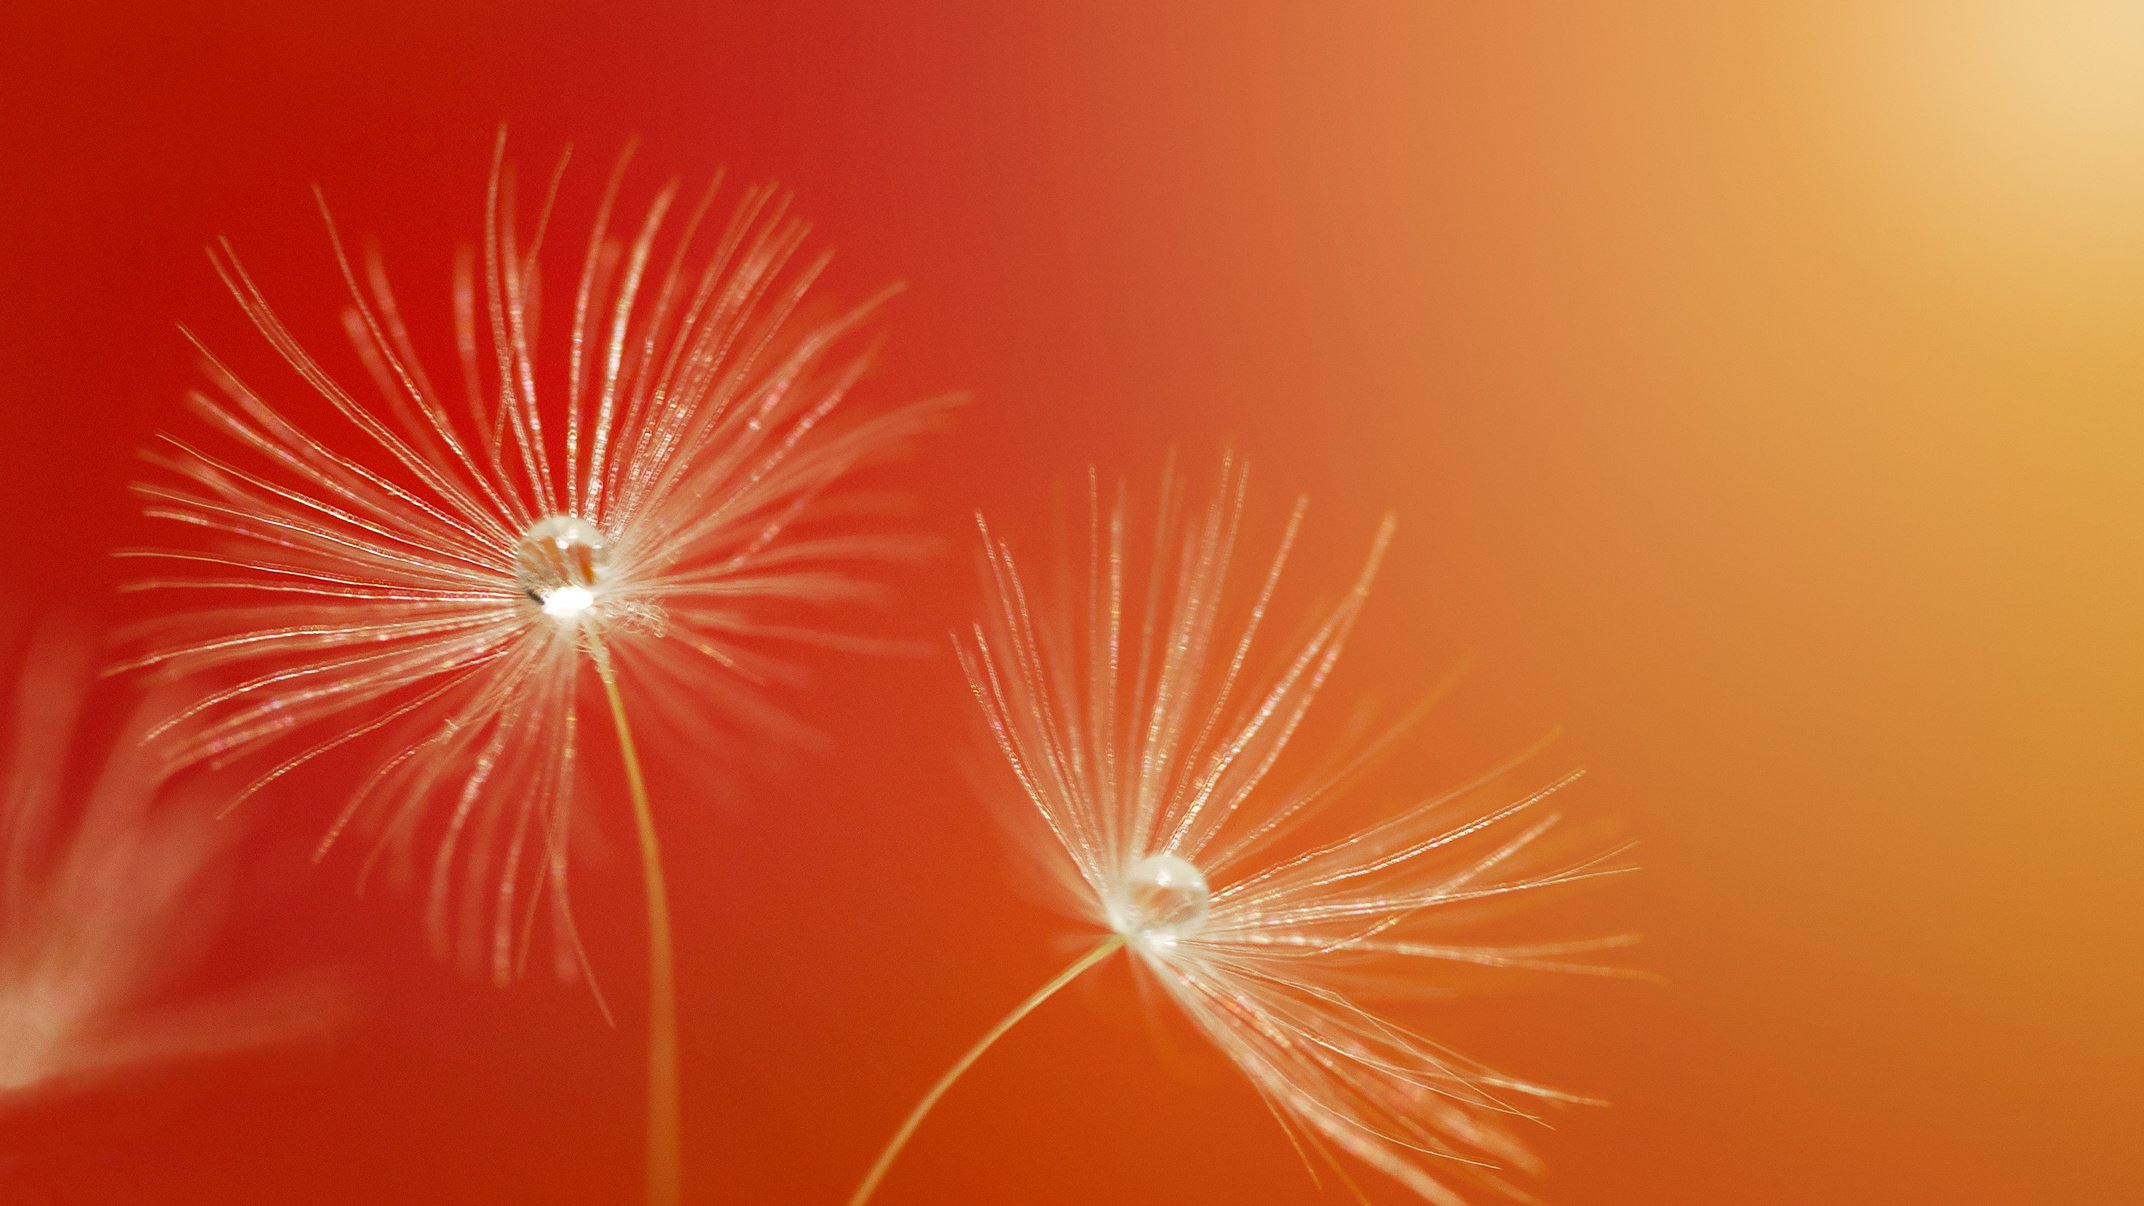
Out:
{"x": 102, "y": 896}
{"x": 424, "y": 570}
{"x": 1146, "y": 748}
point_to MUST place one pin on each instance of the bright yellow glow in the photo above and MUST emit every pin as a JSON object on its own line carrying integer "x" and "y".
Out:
{"x": 2011, "y": 135}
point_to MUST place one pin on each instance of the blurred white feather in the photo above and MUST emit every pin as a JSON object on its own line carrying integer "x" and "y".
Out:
{"x": 104, "y": 899}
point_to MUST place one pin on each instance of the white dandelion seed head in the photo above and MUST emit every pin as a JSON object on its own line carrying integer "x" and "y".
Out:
{"x": 1149, "y": 730}
{"x": 422, "y": 573}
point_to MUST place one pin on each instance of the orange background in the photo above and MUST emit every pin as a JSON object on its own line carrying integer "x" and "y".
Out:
{"x": 1758, "y": 387}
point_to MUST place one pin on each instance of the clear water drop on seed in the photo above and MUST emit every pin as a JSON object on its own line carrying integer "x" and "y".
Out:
{"x": 1161, "y": 900}
{"x": 560, "y": 565}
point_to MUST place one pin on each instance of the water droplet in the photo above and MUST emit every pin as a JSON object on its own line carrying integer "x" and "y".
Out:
{"x": 560, "y": 565}
{"x": 1161, "y": 900}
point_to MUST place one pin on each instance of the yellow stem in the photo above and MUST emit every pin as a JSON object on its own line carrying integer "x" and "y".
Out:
{"x": 930, "y": 1099}
{"x": 664, "y": 1143}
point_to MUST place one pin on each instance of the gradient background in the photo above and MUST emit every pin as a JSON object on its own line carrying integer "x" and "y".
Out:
{"x": 1758, "y": 385}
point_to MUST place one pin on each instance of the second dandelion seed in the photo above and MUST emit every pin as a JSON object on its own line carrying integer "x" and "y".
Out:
{"x": 1129, "y": 719}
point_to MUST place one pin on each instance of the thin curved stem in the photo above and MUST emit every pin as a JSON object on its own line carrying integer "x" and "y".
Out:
{"x": 664, "y": 1142}
{"x": 954, "y": 1073}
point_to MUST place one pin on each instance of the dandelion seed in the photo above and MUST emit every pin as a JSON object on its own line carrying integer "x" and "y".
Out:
{"x": 103, "y": 895}
{"x": 1130, "y": 725}
{"x": 656, "y": 496}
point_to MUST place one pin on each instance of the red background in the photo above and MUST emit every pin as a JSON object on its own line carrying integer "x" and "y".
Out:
{"x": 1758, "y": 390}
